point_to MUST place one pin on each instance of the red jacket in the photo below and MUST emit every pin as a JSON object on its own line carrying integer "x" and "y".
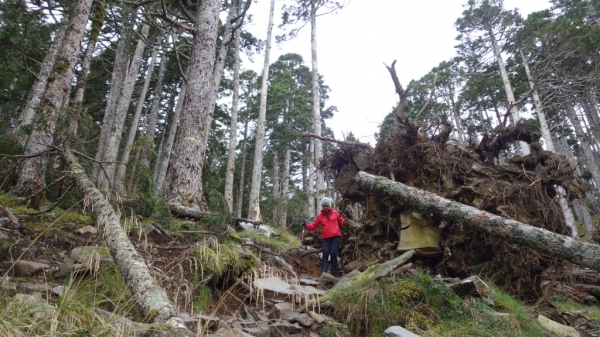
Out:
{"x": 329, "y": 221}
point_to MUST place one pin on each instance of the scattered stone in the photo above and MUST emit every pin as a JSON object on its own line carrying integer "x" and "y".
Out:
{"x": 474, "y": 285}
{"x": 590, "y": 300}
{"x": 261, "y": 330}
{"x": 230, "y": 333}
{"x": 64, "y": 268}
{"x": 284, "y": 329}
{"x": 91, "y": 255}
{"x": 29, "y": 288}
{"x": 296, "y": 317}
{"x": 262, "y": 229}
{"x": 39, "y": 309}
{"x": 7, "y": 286}
{"x": 87, "y": 230}
{"x": 60, "y": 290}
{"x": 275, "y": 287}
{"x": 28, "y": 268}
{"x": 557, "y": 328}
{"x": 398, "y": 331}
{"x": 308, "y": 282}
{"x": 317, "y": 317}
{"x": 281, "y": 308}
{"x": 4, "y": 235}
{"x": 10, "y": 220}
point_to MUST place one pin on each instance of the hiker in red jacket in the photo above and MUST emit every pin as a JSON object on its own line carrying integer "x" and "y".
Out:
{"x": 330, "y": 220}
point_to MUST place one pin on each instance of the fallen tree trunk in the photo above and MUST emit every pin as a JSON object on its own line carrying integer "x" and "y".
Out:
{"x": 541, "y": 240}
{"x": 151, "y": 299}
{"x": 187, "y": 212}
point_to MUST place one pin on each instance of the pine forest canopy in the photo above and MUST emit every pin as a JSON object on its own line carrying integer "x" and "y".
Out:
{"x": 158, "y": 102}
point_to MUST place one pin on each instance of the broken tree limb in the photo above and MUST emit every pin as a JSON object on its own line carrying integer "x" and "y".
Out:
{"x": 187, "y": 212}
{"x": 541, "y": 240}
{"x": 151, "y": 299}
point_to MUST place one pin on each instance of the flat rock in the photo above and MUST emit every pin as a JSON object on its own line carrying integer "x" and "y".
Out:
{"x": 60, "y": 290}
{"x": 275, "y": 287}
{"x": 7, "y": 286}
{"x": 308, "y": 282}
{"x": 284, "y": 329}
{"x": 317, "y": 317}
{"x": 28, "y": 268}
{"x": 398, "y": 331}
{"x": 296, "y": 317}
{"x": 557, "y": 328}
{"x": 91, "y": 255}
{"x": 261, "y": 330}
{"x": 29, "y": 288}
{"x": 230, "y": 333}
{"x": 474, "y": 285}
{"x": 87, "y": 230}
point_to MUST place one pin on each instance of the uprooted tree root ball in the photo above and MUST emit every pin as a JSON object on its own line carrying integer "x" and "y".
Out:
{"x": 524, "y": 189}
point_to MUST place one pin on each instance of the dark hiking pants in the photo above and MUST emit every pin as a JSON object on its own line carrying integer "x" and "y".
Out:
{"x": 330, "y": 249}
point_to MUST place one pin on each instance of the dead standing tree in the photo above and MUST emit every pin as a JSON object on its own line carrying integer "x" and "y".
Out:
{"x": 522, "y": 191}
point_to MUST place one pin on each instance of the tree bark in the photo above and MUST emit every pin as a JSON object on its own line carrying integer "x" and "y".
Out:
{"x": 114, "y": 135}
{"x": 116, "y": 84}
{"x": 285, "y": 186}
{"x": 169, "y": 112}
{"x": 588, "y": 155}
{"x": 233, "y": 128}
{"x": 539, "y": 239}
{"x": 33, "y": 169}
{"x": 240, "y": 196}
{"x": 165, "y": 155}
{"x": 153, "y": 118}
{"x": 151, "y": 299}
{"x": 97, "y": 23}
{"x": 510, "y": 96}
{"x": 316, "y": 96}
{"x": 119, "y": 183}
{"x": 254, "y": 205}
{"x": 184, "y": 179}
{"x": 37, "y": 90}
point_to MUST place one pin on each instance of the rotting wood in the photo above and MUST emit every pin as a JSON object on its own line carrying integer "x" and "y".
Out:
{"x": 541, "y": 240}
{"x": 151, "y": 299}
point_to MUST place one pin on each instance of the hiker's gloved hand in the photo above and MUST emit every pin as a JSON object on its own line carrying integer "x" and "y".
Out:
{"x": 304, "y": 224}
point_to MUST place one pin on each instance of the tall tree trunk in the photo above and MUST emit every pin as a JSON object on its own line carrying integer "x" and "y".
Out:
{"x": 33, "y": 170}
{"x": 539, "y": 239}
{"x": 233, "y": 128}
{"x": 311, "y": 179}
{"x": 116, "y": 84}
{"x": 119, "y": 183}
{"x": 276, "y": 185}
{"x": 97, "y": 23}
{"x": 37, "y": 90}
{"x": 240, "y": 197}
{"x": 184, "y": 179}
{"x": 510, "y": 96}
{"x": 316, "y": 96}
{"x": 564, "y": 204}
{"x": 166, "y": 126}
{"x": 151, "y": 299}
{"x": 153, "y": 118}
{"x": 285, "y": 187}
{"x": 118, "y": 123}
{"x": 588, "y": 156}
{"x": 165, "y": 156}
{"x": 254, "y": 205}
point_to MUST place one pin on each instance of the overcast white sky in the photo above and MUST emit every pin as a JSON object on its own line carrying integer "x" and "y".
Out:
{"x": 354, "y": 43}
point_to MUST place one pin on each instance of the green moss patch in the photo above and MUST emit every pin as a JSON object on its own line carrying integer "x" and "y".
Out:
{"x": 223, "y": 261}
{"x": 428, "y": 308}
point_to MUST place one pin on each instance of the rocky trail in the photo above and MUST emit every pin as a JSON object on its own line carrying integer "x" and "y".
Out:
{"x": 282, "y": 295}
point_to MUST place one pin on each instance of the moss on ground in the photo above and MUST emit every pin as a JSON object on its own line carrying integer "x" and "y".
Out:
{"x": 427, "y": 307}
{"x": 284, "y": 241}
{"x": 223, "y": 261}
